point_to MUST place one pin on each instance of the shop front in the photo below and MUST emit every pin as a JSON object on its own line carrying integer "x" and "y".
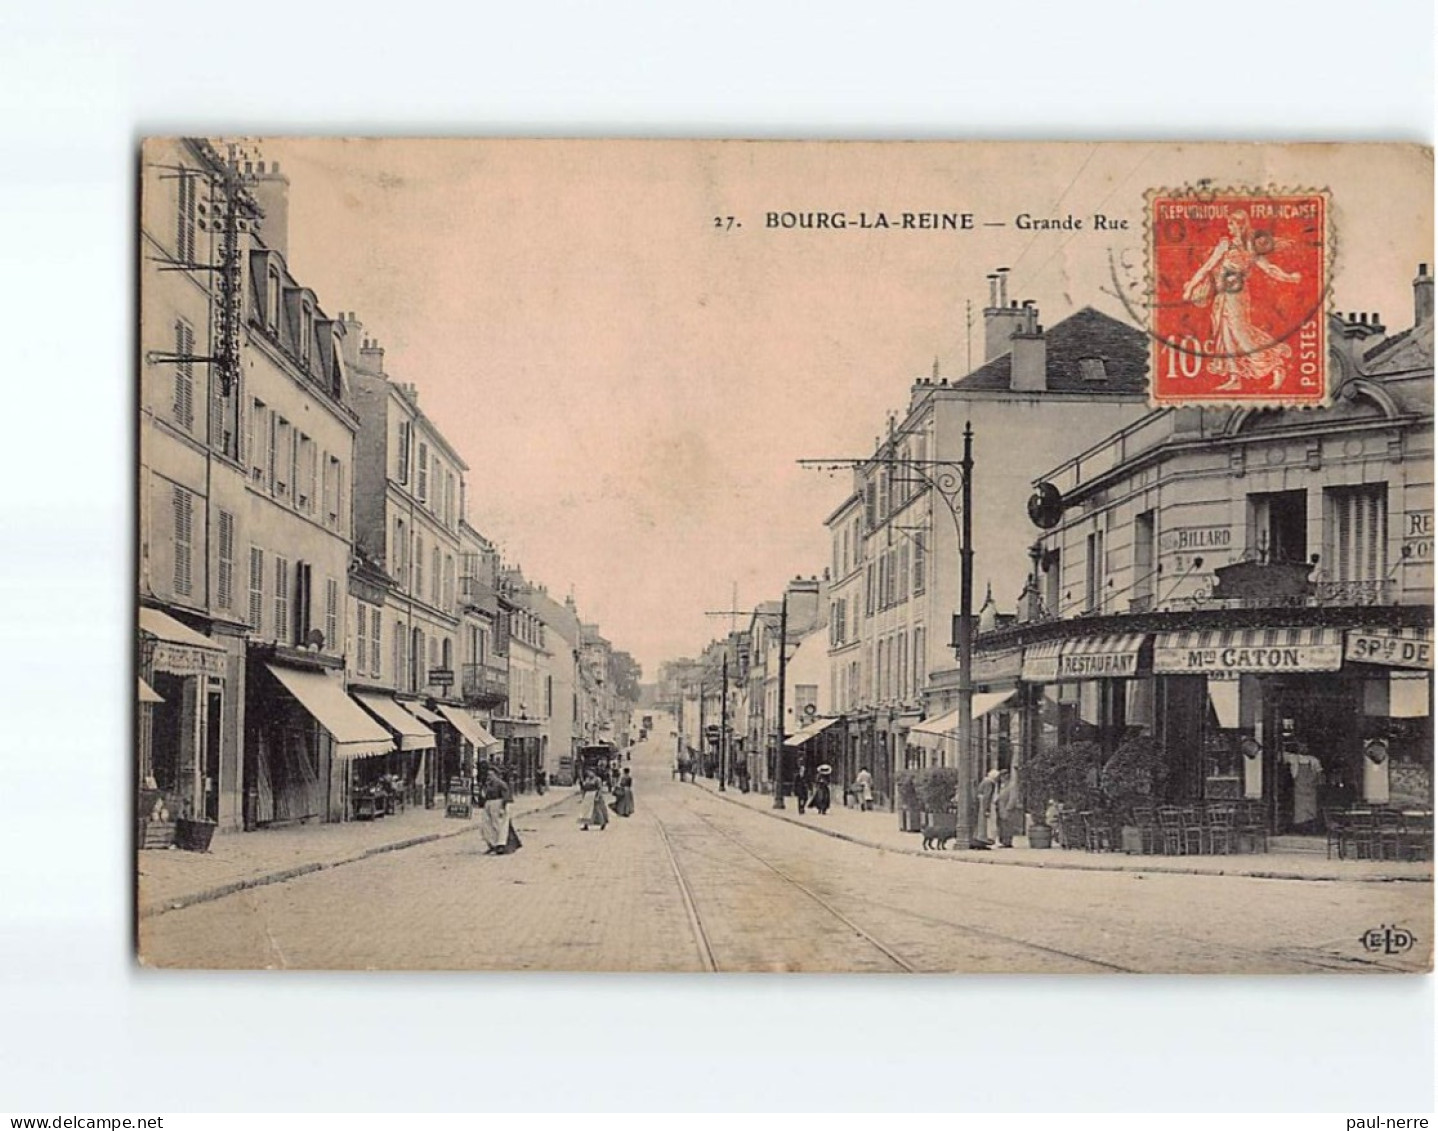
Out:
{"x": 472, "y": 742}
{"x": 1093, "y": 689}
{"x": 1299, "y": 719}
{"x": 304, "y": 738}
{"x": 184, "y": 688}
{"x": 403, "y": 769}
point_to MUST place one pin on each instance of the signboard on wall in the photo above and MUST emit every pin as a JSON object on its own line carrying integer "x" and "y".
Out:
{"x": 1388, "y": 649}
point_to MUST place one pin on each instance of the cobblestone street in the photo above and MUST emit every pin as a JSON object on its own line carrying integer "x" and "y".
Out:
{"x": 693, "y": 882}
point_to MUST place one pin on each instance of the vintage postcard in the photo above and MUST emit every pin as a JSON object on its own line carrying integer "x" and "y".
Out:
{"x": 784, "y": 556}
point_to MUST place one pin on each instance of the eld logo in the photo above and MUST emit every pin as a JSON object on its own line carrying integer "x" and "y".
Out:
{"x": 1387, "y": 940}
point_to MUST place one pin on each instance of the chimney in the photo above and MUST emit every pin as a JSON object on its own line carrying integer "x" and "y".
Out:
{"x": 371, "y": 356}
{"x": 1423, "y": 297}
{"x": 351, "y": 338}
{"x": 271, "y": 190}
{"x": 1001, "y": 317}
{"x": 1028, "y": 370}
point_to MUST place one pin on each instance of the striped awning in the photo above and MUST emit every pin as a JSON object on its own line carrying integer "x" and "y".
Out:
{"x": 1410, "y": 647}
{"x": 148, "y": 694}
{"x": 1041, "y": 662}
{"x": 472, "y": 729}
{"x": 355, "y": 734}
{"x": 412, "y": 734}
{"x": 1114, "y": 656}
{"x": 178, "y": 649}
{"x": 420, "y": 711}
{"x": 1258, "y": 651}
{"x": 804, "y": 733}
{"x": 929, "y": 733}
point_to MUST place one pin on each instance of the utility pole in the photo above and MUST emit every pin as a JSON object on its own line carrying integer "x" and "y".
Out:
{"x": 724, "y": 719}
{"x": 964, "y": 825}
{"x": 783, "y": 675}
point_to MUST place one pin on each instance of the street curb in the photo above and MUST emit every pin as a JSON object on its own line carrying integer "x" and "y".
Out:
{"x": 264, "y": 879}
{"x": 1067, "y": 866}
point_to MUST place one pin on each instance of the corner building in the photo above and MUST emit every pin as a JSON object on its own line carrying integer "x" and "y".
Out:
{"x": 1252, "y": 589}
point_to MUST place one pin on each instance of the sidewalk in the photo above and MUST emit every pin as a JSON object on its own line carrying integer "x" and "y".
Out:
{"x": 170, "y": 878}
{"x": 880, "y": 829}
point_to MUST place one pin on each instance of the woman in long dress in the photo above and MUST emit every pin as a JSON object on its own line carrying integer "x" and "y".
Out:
{"x": 1240, "y": 350}
{"x": 593, "y": 811}
{"x": 624, "y": 795}
{"x": 494, "y": 825}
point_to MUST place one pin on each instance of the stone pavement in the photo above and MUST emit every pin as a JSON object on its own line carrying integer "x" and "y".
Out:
{"x": 171, "y": 878}
{"x": 880, "y": 829}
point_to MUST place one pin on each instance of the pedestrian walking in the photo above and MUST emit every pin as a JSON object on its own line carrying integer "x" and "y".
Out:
{"x": 592, "y": 811}
{"x": 624, "y": 795}
{"x": 1010, "y": 808}
{"x": 864, "y": 788}
{"x": 801, "y": 786}
{"x": 988, "y": 790}
{"x": 495, "y": 824}
{"x": 820, "y": 798}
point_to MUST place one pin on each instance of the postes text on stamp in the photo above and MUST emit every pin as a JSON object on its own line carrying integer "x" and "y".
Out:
{"x": 1239, "y": 297}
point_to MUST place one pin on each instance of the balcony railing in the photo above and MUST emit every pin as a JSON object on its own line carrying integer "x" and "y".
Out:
{"x": 479, "y": 683}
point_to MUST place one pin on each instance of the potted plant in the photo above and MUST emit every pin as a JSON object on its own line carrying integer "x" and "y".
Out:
{"x": 193, "y": 834}
{"x": 1061, "y": 775}
{"x": 936, "y": 788}
{"x": 906, "y": 785}
{"x": 1133, "y": 778}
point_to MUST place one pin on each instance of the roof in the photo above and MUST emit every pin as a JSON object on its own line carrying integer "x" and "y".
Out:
{"x": 1088, "y": 333}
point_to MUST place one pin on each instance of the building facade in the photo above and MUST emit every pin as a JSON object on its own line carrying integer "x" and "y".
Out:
{"x": 1251, "y": 590}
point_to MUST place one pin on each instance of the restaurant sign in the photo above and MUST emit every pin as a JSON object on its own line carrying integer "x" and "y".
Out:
{"x": 1389, "y": 650}
{"x": 1098, "y": 665}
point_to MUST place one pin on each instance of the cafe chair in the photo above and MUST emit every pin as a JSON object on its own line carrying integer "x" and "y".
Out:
{"x": 1150, "y": 836}
{"x": 1251, "y": 828}
{"x": 1194, "y": 834}
{"x": 1388, "y": 834}
{"x": 1220, "y": 826}
{"x": 1334, "y": 827}
{"x": 1170, "y": 827}
{"x": 1417, "y": 836}
{"x": 1360, "y": 831}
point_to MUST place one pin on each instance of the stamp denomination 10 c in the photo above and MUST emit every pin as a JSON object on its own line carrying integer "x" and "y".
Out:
{"x": 1239, "y": 293}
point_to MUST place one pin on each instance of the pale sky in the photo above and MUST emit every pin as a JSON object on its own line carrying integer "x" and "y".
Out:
{"x": 631, "y": 386}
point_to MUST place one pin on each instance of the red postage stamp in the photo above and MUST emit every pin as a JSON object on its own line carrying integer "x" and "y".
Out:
{"x": 1239, "y": 297}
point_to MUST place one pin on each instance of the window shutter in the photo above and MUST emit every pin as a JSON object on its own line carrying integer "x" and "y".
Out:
{"x": 225, "y": 589}
{"x": 332, "y": 602}
{"x": 423, "y": 485}
{"x": 362, "y": 637}
{"x": 185, "y": 226}
{"x": 184, "y": 377}
{"x": 257, "y": 590}
{"x": 272, "y": 425}
{"x": 282, "y": 600}
{"x": 374, "y": 641}
{"x": 184, "y": 518}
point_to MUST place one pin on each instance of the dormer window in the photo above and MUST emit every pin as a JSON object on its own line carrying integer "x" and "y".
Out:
{"x": 272, "y": 304}
{"x": 307, "y": 331}
{"x": 1092, "y": 369}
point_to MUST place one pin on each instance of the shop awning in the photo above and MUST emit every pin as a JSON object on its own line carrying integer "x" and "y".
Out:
{"x": 413, "y": 734}
{"x": 1260, "y": 651}
{"x": 930, "y": 732}
{"x": 1114, "y": 656}
{"x": 355, "y": 733}
{"x": 1391, "y": 647}
{"x": 1041, "y": 662}
{"x": 804, "y": 733}
{"x": 470, "y": 727}
{"x": 421, "y": 712}
{"x": 179, "y": 649}
{"x": 148, "y": 694}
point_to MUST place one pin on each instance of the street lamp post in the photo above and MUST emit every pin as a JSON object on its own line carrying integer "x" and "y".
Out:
{"x": 783, "y": 676}
{"x": 952, "y": 484}
{"x": 724, "y": 718}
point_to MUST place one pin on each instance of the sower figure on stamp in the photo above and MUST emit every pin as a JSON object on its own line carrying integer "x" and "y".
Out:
{"x": 1242, "y": 351}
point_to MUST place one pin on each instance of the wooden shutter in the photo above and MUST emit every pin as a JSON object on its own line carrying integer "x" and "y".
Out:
{"x": 362, "y": 637}
{"x": 257, "y": 590}
{"x": 184, "y": 545}
{"x": 423, "y": 484}
{"x": 332, "y": 602}
{"x": 375, "y": 624}
{"x": 184, "y": 377}
{"x": 282, "y": 600}
{"x": 185, "y": 219}
{"x": 225, "y": 588}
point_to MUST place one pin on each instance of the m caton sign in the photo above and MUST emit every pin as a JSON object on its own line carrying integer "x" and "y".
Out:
{"x": 1255, "y": 650}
